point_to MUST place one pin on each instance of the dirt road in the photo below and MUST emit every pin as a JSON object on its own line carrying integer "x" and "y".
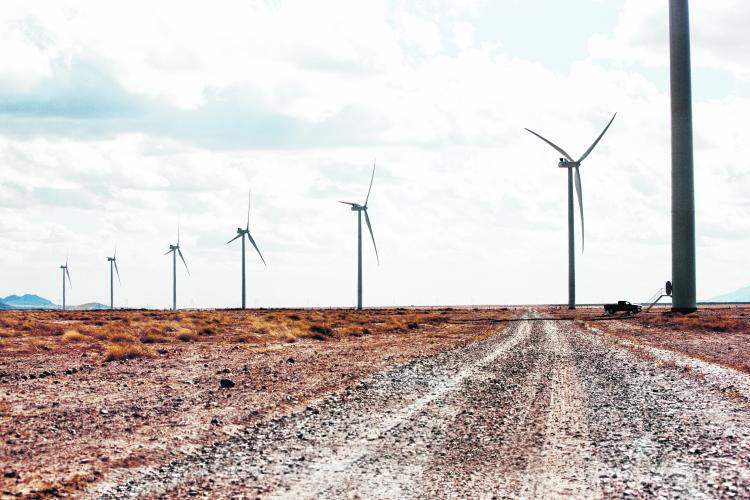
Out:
{"x": 542, "y": 409}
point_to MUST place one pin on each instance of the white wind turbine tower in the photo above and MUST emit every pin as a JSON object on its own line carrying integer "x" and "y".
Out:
{"x": 241, "y": 233}
{"x": 64, "y": 273}
{"x": 571, "y": 164}
{"x": 113, "y": 267}
{"x": 174, "y": 250}
{"x": 360, "y": 209}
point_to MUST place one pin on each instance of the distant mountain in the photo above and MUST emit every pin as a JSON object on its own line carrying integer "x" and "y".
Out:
{"x": 28, "y": 301}
{"x": 741, "y": 295}
{"x": 4, "y": 306}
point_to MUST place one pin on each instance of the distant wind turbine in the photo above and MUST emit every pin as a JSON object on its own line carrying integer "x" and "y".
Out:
{"x": 174, "y": 250}
{"x": 113, "y": 266}
{"x": 241, "y": 233}
{"x": 64, "y": 273}
{"x": 360, "y": 209}
{"x": 571, "y": 164}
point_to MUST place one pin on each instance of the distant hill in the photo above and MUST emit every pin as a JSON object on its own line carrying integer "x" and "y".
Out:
{"x": 28, "y": 301}
{"x": 90, "y": 306}
{"x": 3, "y": 305}
{"x": 741, "y": 295}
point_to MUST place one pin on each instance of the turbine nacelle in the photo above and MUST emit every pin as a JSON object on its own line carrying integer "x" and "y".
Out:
{"x": 565, "y": 163}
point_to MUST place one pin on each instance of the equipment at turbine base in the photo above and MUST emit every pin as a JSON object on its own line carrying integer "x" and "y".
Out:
{"x": 668, "y": 288}
{"x": 622, "y": 306}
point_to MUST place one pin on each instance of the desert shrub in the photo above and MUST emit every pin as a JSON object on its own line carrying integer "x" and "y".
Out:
{"x": 412, "y": 325}
{"x": 153, "y": 336}
{"x": 116, "y": 352}
{"x": 39, "y": 345}
{"x": 73, "y": 336}
{"x": 120, "y": 337}
{"x": 294, "y": 317}
{"x": 186, "y": 335}
{"x": 207, "y": 331}
{"x": 319, "y": 332}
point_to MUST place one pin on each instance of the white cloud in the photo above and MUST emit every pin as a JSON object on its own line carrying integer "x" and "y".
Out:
{"x": 197, "y": 103}
{"x": 719, "y": 36}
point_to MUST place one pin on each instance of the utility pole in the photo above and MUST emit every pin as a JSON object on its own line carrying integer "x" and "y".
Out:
{"x": 683, "y": 195}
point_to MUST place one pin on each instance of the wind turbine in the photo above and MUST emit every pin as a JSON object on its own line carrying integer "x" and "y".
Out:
{"x": 64, "y": 272}
{"x": 360, "y": 209}
{"x": 113, "y": 266}
{"x": 241, "y": 233}
{"x": 174, "y": 250}
{"x": 571, "y": 164}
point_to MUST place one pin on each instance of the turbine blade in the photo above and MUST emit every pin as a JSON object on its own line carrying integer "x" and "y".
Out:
{"x": 117, "y": 271}
{"x": 369, "y": 226}
{"x": 557, "y": 148}
{"x": 115, "y": 254}
{"x": 249, "y": 237}
{"x": 178, "y": 234}
{"x": 183, "y": 261}
{"x": 169, "y": 251}
{"x": 228, "y": 242}
{"x": 68, "y": 273}
{"x": 249, "y": 197}
{"x": 371, "y": 179}
{"x": 579, "y": 191}
{"x": 589, "y": 150}
{"x": 348, "y": 203}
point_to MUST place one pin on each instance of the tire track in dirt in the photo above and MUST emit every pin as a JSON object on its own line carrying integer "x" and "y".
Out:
{"x": 544, "y": 409}
{"x": 345, "y": 428}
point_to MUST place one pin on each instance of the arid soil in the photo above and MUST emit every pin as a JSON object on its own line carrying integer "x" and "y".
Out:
{"x": 70, "y": 418}
{"x": 464, "y": 404}
{"x": 718, "y": 334}
{"x": 541, "y": 409}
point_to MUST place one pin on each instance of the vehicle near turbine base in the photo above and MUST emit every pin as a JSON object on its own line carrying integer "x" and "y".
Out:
{"x": 622, "y": 306}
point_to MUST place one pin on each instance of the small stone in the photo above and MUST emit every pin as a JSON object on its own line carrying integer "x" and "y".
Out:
{"x": 225, "y": 383}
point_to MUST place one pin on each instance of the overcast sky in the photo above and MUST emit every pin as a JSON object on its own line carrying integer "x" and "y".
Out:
{"x": 121, "y": 119}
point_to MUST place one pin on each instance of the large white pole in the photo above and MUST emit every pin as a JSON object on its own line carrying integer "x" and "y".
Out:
{"x": 683, "y": 196}
{"x": 111, "y": 286}
{"x": 174, "y": 280}
{"x": 571, "y": 245}
{"x": 243, "y": 270}
{"x": 359, "y": 260}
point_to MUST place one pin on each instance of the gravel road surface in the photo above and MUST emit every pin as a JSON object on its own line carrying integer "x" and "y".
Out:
{"x": 543, "y": 409}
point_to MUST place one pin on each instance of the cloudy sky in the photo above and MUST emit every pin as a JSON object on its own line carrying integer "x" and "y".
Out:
{"x": 122, "y": 119}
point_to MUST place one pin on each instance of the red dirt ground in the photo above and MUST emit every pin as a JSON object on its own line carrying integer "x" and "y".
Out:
{"x": 69, "y": 418}
{"x": 717, "y": 334}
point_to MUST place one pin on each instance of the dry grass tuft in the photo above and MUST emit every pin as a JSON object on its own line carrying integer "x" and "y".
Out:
{"x": 117, "y": 352}
{"x": 186, "y": 335}
{"x": 73, "y": 336}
